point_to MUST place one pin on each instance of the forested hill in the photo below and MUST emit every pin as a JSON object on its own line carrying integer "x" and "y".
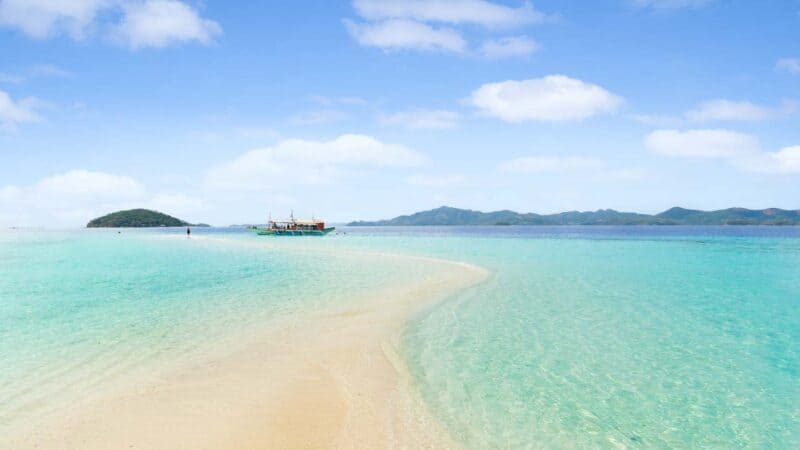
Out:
{"x": 136, "y": 218}
{"x": 675, "y": 216}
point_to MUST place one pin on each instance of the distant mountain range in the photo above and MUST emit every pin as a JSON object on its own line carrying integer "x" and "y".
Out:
{"x": 674, "y": 216}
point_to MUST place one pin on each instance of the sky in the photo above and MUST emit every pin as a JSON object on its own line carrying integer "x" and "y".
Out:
{"x": 226, "y": 111}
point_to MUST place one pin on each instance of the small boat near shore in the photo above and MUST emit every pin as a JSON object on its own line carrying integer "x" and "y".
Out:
{"x": 294, "y": 227}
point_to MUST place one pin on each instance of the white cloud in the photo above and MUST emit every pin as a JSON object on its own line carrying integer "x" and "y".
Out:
{"x": 422, "y": 119}
{"x": 43, "y": 18}
{"x": 719, "y": 110}
{"x": 552, "y": 98}
{"x": 436, "y": 181}
{"x": 788, "y": 158}
{"x": 709, "y": 143}
{"x": 15, "y": 112}
{"x": 431, "y": 25}
{"x": 145, "y": 23}
{"x": 740, "y": 150}
{"x": 295, "y": 161}
{"x": 74, "y": 197}
{"x": 10, "y": 193}
{"x": 791, "y": 65}
{"x": 537, "y": 164}
{"x": 399, "y": 34}
{"x": 785, "y": 161}
{"x": 159, "y": 23}
{"x": 477, "y": 12}
{"x": 87, "y": 184}
{"x": 509, "y": 47}
{"x": 670, "y": 4}
{"x": 70, "y": 198}
{"x": 727, "y": 110}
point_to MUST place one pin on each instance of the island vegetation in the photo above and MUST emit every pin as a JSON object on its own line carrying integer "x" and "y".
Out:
{"x": 138, "y": 218}
{"x": 674, "y": 216}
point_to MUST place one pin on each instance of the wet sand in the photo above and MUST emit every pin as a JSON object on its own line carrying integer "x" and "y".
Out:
{"x": 326, "y": 379}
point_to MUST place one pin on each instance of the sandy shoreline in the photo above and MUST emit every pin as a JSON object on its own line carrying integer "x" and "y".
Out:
{"x": 328, "y": 379}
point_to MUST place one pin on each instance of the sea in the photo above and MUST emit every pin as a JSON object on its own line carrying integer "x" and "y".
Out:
{"x": 580, "y": 337}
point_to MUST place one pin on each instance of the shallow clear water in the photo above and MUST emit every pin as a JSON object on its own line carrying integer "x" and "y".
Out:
{"x": 637, "y": 343}
{"x": 80, "y": 310}
{"x": 613, "y": 337}
{"x": 582, "y": 337}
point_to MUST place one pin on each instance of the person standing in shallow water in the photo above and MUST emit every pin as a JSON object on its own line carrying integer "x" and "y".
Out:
{"x": 188, "y": 232}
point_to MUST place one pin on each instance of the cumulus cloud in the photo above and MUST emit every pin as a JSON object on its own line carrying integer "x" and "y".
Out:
{"x": 294, "y": 161}
{"x": 69, "y": 198}
{"x": 740, "y": 150}
{"x": 791, "y": 65}
{"x": 159, "y": 23}
{"x": 436, "y": 181}
{"x": 509, "y": 47}
{"x": 720, "y": 110}
{"x": 10, "y": 193}
{"x": 553, "y": 98}
{"x": 422, "y": 119}
{"x": 549, "y": 163}
{"x": 785, "y": 161}
{"x": 433, "y": 25}
{"x": 15, "y": 112}
{"x": 476, "y": 12}
{"x": 84, "y": 184}
{"x": 708, "y": 143}
{"x": 145, "y": 23}
{"x": 43, "y": 18}
{"x": 74, "y": 197}
{"x": 399, "y": 34}
{"x": 727, "y": 110}
{"x": 788, "y": 159}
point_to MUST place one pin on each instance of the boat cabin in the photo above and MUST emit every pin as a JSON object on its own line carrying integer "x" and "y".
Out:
{"x": 296, "y": 225}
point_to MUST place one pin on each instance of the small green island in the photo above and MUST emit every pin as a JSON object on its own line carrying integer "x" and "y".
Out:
{"x": 139, "y": 218}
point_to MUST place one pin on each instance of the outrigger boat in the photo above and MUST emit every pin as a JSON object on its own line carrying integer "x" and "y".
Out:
{"x": 294, "y": 227}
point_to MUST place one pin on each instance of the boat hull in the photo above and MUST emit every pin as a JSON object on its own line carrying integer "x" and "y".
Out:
{"x": 270, "y": 232}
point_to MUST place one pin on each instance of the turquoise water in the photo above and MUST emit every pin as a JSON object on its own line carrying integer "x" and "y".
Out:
{"x": 620, "y": 343}
{"x": 81, "y": 310}
{"x": 580, "y": 338}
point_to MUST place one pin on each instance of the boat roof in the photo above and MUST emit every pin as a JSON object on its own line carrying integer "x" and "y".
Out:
{"x": 300, "y": 221}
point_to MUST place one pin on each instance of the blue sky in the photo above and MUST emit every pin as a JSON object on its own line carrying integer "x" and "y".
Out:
{"x": 224, "y": 111}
